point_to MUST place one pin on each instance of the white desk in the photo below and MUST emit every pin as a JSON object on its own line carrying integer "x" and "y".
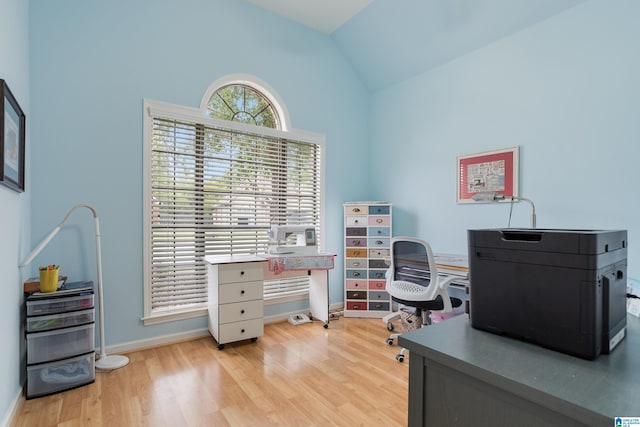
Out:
{"x": 317, "y": 266}
{"x": 275, "y": 266}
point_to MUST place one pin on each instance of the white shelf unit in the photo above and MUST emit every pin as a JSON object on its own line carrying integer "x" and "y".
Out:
{"x": 367, "y": 239}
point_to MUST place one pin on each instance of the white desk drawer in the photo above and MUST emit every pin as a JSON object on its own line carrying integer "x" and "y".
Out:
{"x": 238, "y": 292}
{"x": 240, "y": 272}
{"x": 240, "y": 311}
{"x": 238, "y": 331}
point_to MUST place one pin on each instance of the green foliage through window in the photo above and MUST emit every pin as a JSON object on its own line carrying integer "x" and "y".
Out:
{"x": 240, "y": 103}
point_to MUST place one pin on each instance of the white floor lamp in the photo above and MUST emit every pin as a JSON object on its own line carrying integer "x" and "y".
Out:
{"x": 105, "y": 362}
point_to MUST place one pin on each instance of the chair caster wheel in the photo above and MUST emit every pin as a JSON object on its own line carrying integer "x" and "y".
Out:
{"x": 400, "y": 357}
{"x": 220, "y": 346}
{"x": 390, "y": 327}
{"x": 390, "y": 341}
{"x": 326, "y": 326}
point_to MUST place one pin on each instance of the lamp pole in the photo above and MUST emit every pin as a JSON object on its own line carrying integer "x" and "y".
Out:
{"x": 104, "y": 362}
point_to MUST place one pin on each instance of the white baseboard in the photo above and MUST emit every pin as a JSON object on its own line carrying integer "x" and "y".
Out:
{"x": 13, "y": 409}
{"x": 195, "y": 334}
{"x": 156, "y": 341}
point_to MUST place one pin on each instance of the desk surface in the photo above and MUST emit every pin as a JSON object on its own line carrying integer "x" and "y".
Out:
{"x": 604, "y": 388}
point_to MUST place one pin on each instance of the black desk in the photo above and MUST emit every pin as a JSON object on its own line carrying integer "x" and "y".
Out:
{"x": 462, "y": 376}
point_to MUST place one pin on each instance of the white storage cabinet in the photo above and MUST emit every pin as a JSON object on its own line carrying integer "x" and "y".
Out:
{"x": 367, "y": 240}
{"x": 235, "y": 298}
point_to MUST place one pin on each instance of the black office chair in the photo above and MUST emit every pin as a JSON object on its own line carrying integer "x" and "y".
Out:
{"x": 413, "y": 281}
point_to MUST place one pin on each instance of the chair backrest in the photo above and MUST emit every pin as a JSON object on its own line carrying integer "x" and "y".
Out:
{"x": 412, "y": 261}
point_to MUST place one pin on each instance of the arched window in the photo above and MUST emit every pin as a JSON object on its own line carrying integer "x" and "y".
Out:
{"x": 241, "y": 103}
{"x": 217, "y": 178}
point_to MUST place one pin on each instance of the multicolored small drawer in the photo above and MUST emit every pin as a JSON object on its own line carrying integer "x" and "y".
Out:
{"x": 356, "y": 210}
{"x": 379, "y": 242}
{"x": 378, "y": 263}
{"x": 356, "y": 294}
{"x": 356, "y": 231}
{"x": 356, "y": 274}
{"x": 356, "y": 305}
{"x": 379, "y": 296}
{"x": 355, "y": 263}
{"x": 377, "y": 274}
{"x": 379, "y": 305}
{"x": 356, "y": 284}
{"x": 379, "y": 221}
{"x": 356, "y": 242}
{"x": 379, "y": 253}
{"x": 379, "y": 231}
{"x": 354, "y": 221}
{"x": 356, "y": 253}
{"x": 379, "y": 210}
{"x": 379, "y": 285}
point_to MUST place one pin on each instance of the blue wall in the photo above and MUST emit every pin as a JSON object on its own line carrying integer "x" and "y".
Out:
{"x": 93, "y": 63}
{"x": 14, "y": 207}
{"x": 565, "y": 90}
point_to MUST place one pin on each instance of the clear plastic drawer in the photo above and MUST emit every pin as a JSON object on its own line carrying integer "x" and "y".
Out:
{"x": 52, "y": 377}
{"x": 59, "y": 305}
{"x": 62, "y": 320}
{"x": 60, "y": 343}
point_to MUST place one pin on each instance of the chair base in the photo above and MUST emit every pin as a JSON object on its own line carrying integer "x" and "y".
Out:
{"x": 426, "y": 321}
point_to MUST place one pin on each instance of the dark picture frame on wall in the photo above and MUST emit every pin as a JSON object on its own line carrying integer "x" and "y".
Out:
{"x": 12, "y": 140}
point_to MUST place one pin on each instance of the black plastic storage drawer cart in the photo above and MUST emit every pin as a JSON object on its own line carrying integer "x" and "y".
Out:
{"x": 60, "y": 332}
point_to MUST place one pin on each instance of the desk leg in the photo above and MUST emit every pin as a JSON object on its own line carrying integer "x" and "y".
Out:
{"x": 417, "y": 397}
{"x": 319, "y": 295}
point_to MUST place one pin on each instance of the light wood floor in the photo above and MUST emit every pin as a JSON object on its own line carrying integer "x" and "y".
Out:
{"x": 302, "y": 375}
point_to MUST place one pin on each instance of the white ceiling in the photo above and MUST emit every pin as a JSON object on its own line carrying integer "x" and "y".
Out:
{"x": 323, "y": 15}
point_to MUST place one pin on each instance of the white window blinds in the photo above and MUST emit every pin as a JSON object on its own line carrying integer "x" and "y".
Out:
{"x": 216, "y": 190}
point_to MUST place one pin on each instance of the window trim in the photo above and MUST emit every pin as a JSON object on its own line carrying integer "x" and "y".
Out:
{"x": 257, "y": 84}
{"x": 153, "y": 108}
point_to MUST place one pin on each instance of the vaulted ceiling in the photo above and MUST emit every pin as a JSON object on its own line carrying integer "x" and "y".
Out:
{"x": 388, "y": 41}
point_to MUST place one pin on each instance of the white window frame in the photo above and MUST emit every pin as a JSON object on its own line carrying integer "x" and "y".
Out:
{"x": 151, "y": 109}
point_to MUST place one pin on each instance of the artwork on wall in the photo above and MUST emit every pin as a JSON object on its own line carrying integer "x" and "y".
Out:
{"x": 487, "y": 171}
{"x": 12, "y": 140}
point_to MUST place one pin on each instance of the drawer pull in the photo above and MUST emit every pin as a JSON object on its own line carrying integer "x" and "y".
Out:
{"x": 378, "y": 275}
{"x": 356, "y": 209}
{"x": 356, "y": 252}
{"x": 379, "y": 220}
{"x": 356, "y": 264}
{"x": 356, "y": 242}
{"x": 242, "y": 292}
{"x": 356, "y": 285}
{"x": 242, "y": 331}
{"x": 241, "y": 311}
{"x": 378, "y": 242}
{"x": 356, "y": 274}
{"x": 379, "y": 285}
{"x": 379, "y": 231}
{"x": 242, "y": 273}
{"x": 356, "y": 222}
{"x": 356, "y": 306}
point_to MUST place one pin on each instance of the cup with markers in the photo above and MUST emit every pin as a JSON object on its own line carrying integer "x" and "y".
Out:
{"x": 49, "y": 278}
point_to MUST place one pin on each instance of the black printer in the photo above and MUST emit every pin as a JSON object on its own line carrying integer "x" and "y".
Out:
{"x": 561, "y": 289}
